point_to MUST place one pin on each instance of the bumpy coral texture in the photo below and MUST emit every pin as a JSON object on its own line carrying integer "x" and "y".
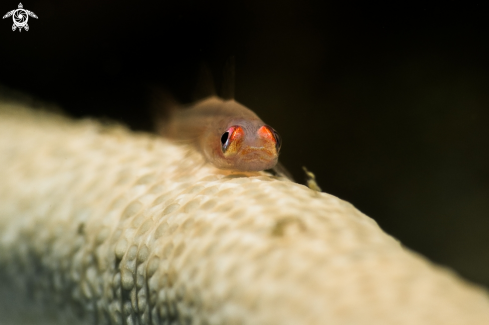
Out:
{"x": 115, "y": 227}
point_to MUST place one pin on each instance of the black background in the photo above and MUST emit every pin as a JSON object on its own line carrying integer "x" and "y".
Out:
{"x": 387, "y": 103}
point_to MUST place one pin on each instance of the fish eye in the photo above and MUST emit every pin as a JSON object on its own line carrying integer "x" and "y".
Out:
{"x": 224, "y": 141}
{"x": 278, "y": 140}
{"x": 224, "y": 137}
{"x": 232, "y": 138}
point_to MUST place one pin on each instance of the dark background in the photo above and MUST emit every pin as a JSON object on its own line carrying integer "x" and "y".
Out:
{"x": 387, "y": 103}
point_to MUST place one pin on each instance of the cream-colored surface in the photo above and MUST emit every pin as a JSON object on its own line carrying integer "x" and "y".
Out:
{"x": 125, "y": 228}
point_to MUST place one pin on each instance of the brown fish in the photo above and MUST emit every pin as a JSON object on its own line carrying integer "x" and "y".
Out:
{"x": 228, "y": 134}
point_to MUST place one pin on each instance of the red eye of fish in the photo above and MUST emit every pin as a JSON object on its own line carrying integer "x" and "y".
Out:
{"x": 224, "y": 138}
{"x": 278, "y": 140}
{"x": 231, "y": 138}
{"x": 269, "y": 133}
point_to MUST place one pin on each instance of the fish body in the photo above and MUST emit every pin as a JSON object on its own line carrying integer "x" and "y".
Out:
{"x": 228, "y": 134}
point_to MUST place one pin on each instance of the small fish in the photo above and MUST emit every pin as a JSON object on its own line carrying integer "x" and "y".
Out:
{"x": 228, "y": 134}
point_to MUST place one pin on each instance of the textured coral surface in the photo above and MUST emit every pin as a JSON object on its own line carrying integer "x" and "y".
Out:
{"x": 105, "y": 226}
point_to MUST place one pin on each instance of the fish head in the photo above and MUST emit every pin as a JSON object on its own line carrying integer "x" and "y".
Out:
{"x": 250, "y": 146}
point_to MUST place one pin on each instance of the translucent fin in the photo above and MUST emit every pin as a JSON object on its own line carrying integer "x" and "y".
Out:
{"x": 281, "y": 171}
{"x": 162, "y": 106}
{"x": 228, "y": 80}
{"x": 204, "y": 86}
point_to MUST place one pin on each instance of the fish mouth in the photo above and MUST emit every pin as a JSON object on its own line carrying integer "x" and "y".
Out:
{"x": 257, "y": 159}
{"x": 259, "y": 153}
